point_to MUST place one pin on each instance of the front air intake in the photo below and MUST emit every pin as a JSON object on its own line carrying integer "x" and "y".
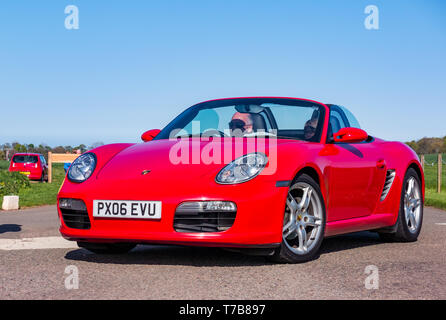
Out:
{"x": 390, "y": 176}
{"x": 204, "y": 216}
{"x": 74, "y": 213}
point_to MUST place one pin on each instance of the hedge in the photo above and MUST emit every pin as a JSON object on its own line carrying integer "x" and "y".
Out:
{"x": 12, "y": 182}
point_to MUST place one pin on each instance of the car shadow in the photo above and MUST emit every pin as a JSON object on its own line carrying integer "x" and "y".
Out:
{"x": 350, "y": 241}
{"x": 171, "y": 255}
{"x": 211, "y": 257}
{"x": 352, "y": 149}
{"x": 10, "y": 228}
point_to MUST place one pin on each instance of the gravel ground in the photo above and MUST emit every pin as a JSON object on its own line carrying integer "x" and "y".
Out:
{"x": 406, "y": 270}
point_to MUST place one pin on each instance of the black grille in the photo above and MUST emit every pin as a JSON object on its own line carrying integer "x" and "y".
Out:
{"x": 203, "y": 221}
{"x": 75, "y": 214}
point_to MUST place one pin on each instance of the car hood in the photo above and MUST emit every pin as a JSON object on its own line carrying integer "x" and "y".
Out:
{"x": 181, "y": 159}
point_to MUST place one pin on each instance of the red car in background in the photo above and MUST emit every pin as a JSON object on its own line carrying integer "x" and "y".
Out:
{"x": 33, "y": 165}
{"x": 272, "y": 175}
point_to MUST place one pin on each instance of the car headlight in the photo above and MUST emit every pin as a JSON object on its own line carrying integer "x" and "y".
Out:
{"x": 242, "y": 169}
{"x": 82, "y": 168}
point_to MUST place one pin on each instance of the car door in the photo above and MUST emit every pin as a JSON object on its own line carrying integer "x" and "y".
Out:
{"x": 355, "y": 173}
{"x": 44, "y": 165}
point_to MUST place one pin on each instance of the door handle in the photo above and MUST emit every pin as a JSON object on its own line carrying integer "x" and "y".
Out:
{"x": 381, "y": 164}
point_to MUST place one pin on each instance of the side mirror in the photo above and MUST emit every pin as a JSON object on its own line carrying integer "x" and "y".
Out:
{"x": 350, "y": 135}
{"x": 149, "y": 135}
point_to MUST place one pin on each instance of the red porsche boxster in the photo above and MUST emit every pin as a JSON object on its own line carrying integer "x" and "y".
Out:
{"x": 268, "y": 175}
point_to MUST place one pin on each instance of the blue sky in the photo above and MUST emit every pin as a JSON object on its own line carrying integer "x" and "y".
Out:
{"x": 134, "y": 65}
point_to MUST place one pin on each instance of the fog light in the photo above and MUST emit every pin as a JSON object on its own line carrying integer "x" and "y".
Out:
{"x": 207, "y": 206}
{"x": 65, "y": 203}
{"x": 72, "y": 204}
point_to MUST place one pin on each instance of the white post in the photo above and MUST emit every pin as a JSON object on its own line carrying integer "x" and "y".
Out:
{"x": 10, "y": 203}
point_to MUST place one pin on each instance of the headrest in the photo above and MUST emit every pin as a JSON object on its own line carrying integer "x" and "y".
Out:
{"x": 249, "y": 108}
{"x": 258, "y": 123}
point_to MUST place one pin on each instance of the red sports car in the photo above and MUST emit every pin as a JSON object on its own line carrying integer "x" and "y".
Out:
{"x": 268, "y": 175}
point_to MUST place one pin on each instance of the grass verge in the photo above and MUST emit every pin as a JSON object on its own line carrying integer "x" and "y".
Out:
{"x": 39, "y": 194}
{"x": 4, "y": 165}
{"x": 434, "y": 199}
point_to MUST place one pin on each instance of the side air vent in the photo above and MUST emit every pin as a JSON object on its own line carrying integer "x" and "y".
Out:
{"x": 390, "y": 176}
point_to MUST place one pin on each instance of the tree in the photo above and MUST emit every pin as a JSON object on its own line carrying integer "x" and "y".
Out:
{"x": 96, "y": 144}
{"x": 82, "y": 147}
{"x": 413, "y": 144}
{"x": 17, "y": 147}
{"x": 58, "y": 149}
{"x": 428, "y": 145}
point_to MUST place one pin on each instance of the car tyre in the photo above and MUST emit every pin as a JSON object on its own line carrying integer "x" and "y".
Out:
{"x": 304, "y": 222}
{"x": 107, "y": 248}
{"x": 410, "y": 215}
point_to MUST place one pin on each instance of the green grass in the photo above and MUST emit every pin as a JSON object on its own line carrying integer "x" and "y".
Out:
{"x": 434, "y": 199}
{"x": 43, "y": 193}
{"x": 4, "y": 165}
{"x": 38, "y": 193}
{"x": 430, "y": 172}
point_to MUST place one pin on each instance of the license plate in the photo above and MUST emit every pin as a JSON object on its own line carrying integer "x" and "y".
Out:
{"x": 25, "y": 173}
{"x": 127, "y": 209}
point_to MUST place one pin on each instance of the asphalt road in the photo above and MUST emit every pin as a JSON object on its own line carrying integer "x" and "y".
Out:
{"x": 405, "y": 270}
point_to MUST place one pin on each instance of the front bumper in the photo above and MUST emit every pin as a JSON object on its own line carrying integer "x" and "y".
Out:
{"x": 258, "y": 223}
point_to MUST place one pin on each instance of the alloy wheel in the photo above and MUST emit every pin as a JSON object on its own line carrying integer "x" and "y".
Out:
{"x": 303, "y": 218}
{"x": 412, "y": 204}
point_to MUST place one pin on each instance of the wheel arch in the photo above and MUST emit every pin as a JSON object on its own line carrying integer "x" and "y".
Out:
{"x": 314, "y": 172}
{"x": 309, "y": 171}
{"x": 419, "y": 170}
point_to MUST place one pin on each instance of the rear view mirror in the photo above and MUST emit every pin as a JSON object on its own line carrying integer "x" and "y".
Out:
{"x": 350, "y": 135}
{"x": 149, "y": 135}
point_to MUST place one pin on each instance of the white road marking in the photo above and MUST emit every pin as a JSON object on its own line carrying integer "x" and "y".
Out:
{"x": 37, "y": 243}
{"x": 441, "y": 224}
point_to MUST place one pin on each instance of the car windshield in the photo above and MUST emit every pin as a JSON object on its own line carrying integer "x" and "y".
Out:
{"x": 25, "y": 159}
{"x": 257, "y": 117}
